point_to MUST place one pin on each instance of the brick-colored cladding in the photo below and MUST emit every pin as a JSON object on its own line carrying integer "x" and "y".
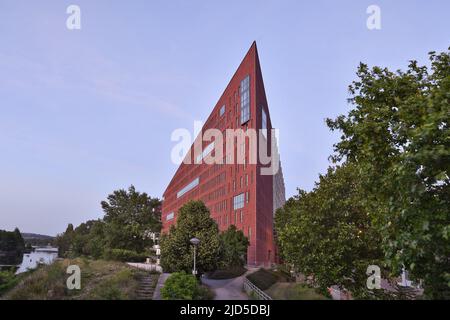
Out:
{"x": 218, "y": 184}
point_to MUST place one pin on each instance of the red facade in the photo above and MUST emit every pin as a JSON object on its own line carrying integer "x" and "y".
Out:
{"x": 234, "y": 193}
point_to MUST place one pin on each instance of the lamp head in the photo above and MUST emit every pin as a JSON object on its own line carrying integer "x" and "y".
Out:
{"x": 195, "y": 241}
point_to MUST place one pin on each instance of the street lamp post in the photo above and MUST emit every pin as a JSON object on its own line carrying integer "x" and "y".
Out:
{"x": 195, "y": 242}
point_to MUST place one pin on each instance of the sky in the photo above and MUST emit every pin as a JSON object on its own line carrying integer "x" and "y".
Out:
{"x": 85, "y": 112}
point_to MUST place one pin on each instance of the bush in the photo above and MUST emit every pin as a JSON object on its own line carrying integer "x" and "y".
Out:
{"x": 283, "y": 275}
{"x": 7, "y": 281}
{"x": 124, "y": 255}
{"x": 263, "y": 279}
{"x": 180, "y": 286}
{"x": 203, "y": 293}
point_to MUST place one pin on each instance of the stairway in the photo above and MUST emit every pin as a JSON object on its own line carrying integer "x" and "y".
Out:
{"x": 146, "y": 287}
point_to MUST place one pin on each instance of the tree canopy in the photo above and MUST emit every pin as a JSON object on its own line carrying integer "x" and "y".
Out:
{"x": 234, "y": 245}
{"x": 193, "y": 220}
{"x": 12, "y": 247}
{"x": 390, "y": 185}
{"x": 328, "y": 234}
{"x": 130, "y": 218}
{"x": 398, "y": 136}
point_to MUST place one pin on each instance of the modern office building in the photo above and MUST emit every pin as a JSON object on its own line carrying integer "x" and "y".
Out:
{"x": 236, "y": 191}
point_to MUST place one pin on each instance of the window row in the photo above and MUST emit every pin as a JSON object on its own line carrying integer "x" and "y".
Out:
{"x": 219, "y": 179}
{"x": 188, "y": 188}
{"x": 214, "y": 195}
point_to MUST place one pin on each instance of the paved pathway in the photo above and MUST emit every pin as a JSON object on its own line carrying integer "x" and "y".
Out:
{"x": 145, "y": 266}
{"x": 162, "y": 278}
{"x": 228, "y": 289}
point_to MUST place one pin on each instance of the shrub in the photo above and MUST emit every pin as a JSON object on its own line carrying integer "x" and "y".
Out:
{"x": 263, "y": 279}
{"x": 204, "y": 293}
{"x": 7, "y": 281}
{"x": 182, "y": 286}
{"x": 124, "y": 255}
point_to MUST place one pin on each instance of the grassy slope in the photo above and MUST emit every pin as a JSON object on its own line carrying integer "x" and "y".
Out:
{"x": 293, "y": 291}
{"x": 263, "y": 278}
{"x": 100, "y": 280}
{"x": 276, "y": 285}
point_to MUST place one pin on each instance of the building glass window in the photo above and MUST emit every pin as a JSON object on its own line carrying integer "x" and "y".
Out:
{"x": 188, "y": 188}
{"x": 170, "y": 216}
{"x": 239, "y": 201}
{"x": 264, "y": 123}
{"x": 222, "y": 110}
{"x": 245, "y": 99}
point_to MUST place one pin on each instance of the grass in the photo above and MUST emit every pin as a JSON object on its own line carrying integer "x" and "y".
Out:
{"x": 100, "y": 280}
{"x": 280, "y": 286}
{"x": 227, "y": 274}
{"x": 263, "y": 278}
{"x": 293, "y": 291}
{"x": 8, "y": 280}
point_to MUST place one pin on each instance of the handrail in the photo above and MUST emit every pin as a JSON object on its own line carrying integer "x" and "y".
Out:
{"x": 249, "y": 286}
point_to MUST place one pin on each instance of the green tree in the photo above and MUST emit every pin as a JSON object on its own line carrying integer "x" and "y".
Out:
{"x": 327, "y": 233}
{"x": 20, "y": 242}
{"x": 64, "y": 241}
{"x": 176, "y": 250}
{"x": 96, "y": 242}
{"x": 398, "y": 136}
{"x": 130, "y": 216}
{"x": 89, "y": 239}
{"x": 234, "y": 246}
{"x": 12, "y": 247}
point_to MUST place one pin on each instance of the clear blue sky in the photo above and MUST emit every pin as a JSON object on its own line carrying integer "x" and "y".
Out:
{"x": 86, "y": 112}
